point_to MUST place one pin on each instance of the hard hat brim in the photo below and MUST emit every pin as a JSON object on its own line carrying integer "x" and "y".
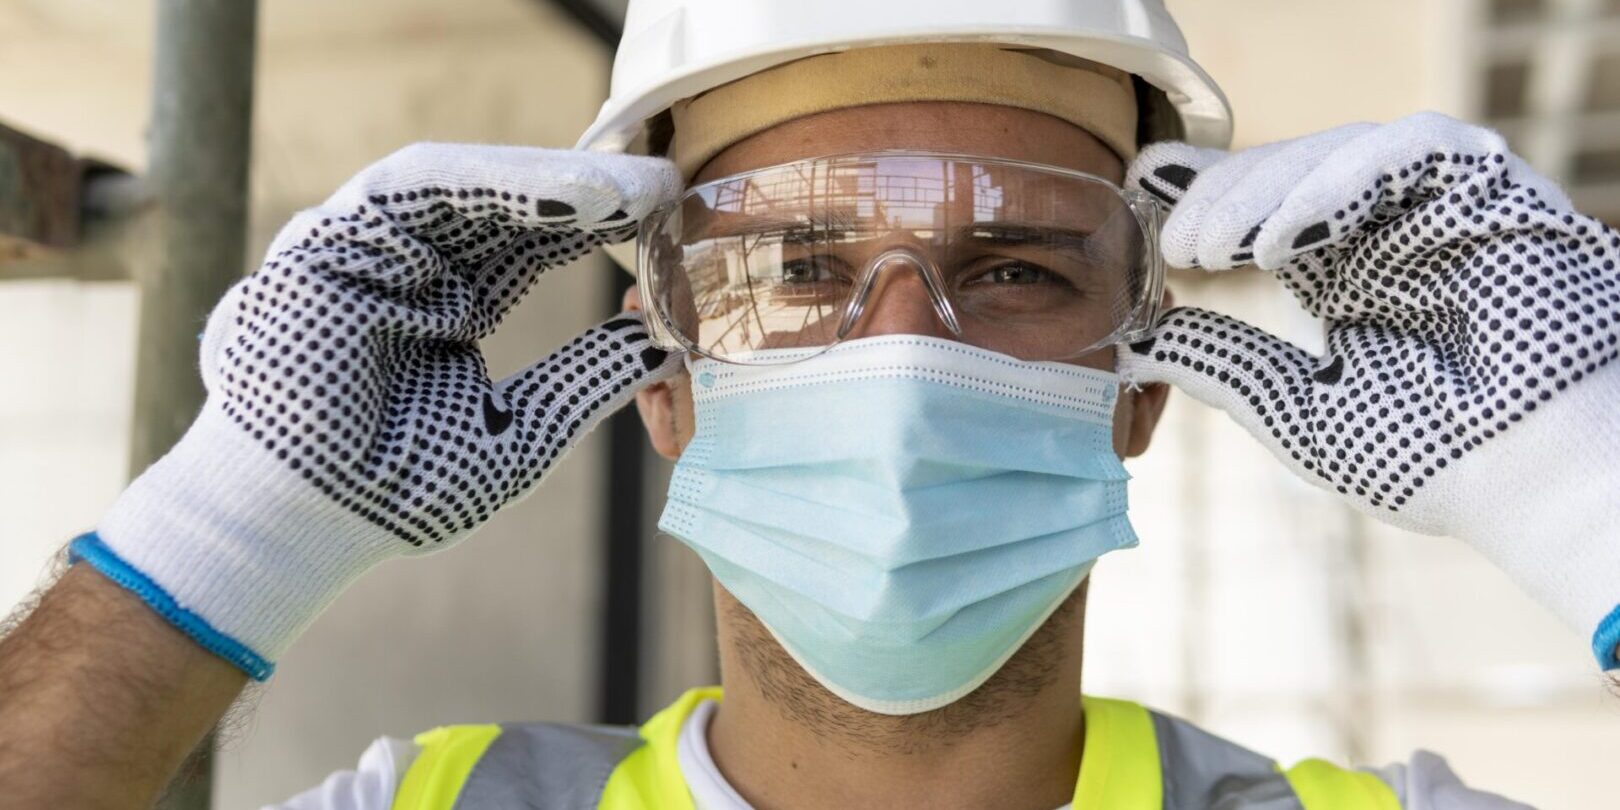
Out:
{"x": 1205, "y": 113}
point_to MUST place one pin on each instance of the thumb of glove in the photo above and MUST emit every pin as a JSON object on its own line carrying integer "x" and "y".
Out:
{"x": 1258, "y": 379}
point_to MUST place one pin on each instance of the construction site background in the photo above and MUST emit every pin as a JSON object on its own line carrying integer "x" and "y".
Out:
{"x": 1256, "y": 605}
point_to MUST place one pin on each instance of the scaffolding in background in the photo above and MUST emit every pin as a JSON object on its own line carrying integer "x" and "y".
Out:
{"x": 1548, "y": 77}
{"x": 179, "y": 232}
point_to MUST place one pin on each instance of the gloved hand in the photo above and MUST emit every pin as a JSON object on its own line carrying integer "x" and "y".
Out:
{"x": 349, "y": 415}
{"x": 1470, "y": 384}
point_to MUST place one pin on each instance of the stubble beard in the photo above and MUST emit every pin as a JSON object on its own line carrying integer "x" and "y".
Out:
{"x": 1005, "y": 697}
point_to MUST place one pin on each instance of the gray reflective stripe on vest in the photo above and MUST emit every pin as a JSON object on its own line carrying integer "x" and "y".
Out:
{"x": 1201, "y": 770}
{"x": 546, "y": 766}
{"x": 550, "y": 766}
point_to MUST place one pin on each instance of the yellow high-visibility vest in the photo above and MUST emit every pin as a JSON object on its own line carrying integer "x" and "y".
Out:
{"x": 1134, "y": 759}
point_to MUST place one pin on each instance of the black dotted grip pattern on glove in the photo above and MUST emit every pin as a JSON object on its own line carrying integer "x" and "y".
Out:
{"x": 1457, "y": 301}
{"x": 352, "y": 356}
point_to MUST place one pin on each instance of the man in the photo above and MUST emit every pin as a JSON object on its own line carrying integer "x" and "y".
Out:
{"x": 883, "y": 325}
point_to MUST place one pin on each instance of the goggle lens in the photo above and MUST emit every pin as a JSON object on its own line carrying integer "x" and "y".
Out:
{"x": 1032, "y": 261}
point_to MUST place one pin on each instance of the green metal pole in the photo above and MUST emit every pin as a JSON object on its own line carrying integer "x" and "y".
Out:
{"x": 202, "y": 111}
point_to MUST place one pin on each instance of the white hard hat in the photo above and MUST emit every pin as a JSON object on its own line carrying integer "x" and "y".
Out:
{"x": 678, "y": 49}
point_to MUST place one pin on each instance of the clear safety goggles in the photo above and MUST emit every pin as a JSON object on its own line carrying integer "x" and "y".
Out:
{"x": 1033, "y": 261}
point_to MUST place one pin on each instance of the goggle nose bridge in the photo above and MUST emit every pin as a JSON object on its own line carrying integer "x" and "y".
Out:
{"x": 932, "y": 282}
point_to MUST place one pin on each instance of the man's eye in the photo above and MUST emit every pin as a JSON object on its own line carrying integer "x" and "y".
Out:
{"x": 810, "y": 269}
{"x": 1014, "y": 273}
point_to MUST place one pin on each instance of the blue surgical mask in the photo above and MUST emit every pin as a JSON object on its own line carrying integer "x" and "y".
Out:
{"x": 901, "y": 512}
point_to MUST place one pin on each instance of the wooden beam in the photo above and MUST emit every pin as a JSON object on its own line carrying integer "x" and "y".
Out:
{"x": 39, "y": 193}
{"x": 104, "y": 253}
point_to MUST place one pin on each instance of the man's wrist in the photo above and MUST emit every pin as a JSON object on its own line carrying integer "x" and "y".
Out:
{"x": 101, "y": 699}
{"x": 89, "y": 549}
{"x": 249, "y": 548}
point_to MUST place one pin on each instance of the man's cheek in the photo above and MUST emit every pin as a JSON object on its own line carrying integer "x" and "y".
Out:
{"x": 684, "y": 423}
{"x": 1124, "y": 415}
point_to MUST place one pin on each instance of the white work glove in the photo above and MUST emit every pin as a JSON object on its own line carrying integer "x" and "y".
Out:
{"x": 1469, "y": 385}
{"x": 349, "y": 415}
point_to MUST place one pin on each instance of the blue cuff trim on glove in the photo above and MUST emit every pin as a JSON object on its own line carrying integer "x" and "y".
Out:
{"x": 90, "y": 549}
{"x": 1606, "y": 638}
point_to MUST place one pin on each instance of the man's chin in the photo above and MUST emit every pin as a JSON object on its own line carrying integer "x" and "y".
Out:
{"x": 751, "y": 651}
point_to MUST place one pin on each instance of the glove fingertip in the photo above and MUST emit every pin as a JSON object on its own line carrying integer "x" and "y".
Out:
{"x": 658, "y": 362}
{"x": 652, "y": 358}
{"x": 1167, "y": 170}
{"x": 654, "y": 181}
{"x": 1136, "y": 365}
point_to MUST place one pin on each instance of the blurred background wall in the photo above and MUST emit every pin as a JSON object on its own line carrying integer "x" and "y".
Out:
{"x": 1255, "y": 605}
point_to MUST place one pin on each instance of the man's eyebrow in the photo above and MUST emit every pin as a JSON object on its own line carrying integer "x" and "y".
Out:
{"x": 1009, "y": 234}
{"x": 735, "y": 224}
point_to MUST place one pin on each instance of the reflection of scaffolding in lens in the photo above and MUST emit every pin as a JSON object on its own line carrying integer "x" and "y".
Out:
{"x": 857, "y": 195}
{"x": 849, "y": 194}
{"x": 758, "y": 196}
{"x": 989, "y": 197}
{"x": 810, "y": 208}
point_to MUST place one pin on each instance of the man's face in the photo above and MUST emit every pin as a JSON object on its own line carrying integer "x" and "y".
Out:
{"x": 900, "y": 304}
